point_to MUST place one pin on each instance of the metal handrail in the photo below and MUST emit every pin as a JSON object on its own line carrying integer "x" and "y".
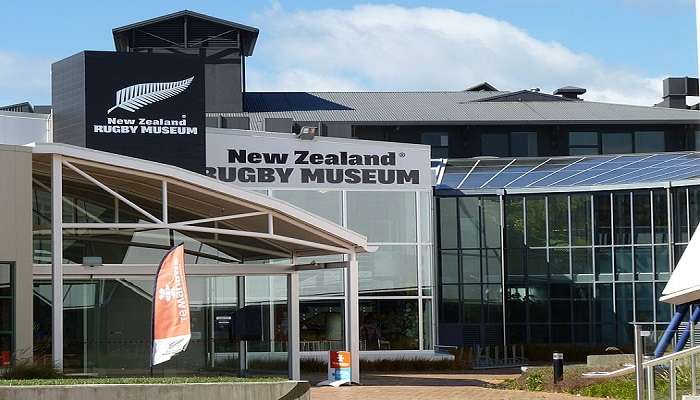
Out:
{"x": 671, "y": 357}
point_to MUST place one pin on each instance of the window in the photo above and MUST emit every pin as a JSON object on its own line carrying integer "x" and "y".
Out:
{"x": 515, "y": 144}
{"x": 583, "y": 143}
{"x": 383, "y": 216}
{"x": 649, "y": 142}
{"x": 558, "y": 220}
{"x": 494, "y": 144}
{"x": 391, "y": 270}
{"x": 6, "y": 312}
{"x": 389, "y": 324}
{"x": 439, "y": 143}
{"x": 616, "y": 143}
{"x": 523, "y": 144}
{"x": 326, "y": 204}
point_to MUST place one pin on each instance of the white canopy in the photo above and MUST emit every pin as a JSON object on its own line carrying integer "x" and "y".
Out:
{"x": 684, "y": 285}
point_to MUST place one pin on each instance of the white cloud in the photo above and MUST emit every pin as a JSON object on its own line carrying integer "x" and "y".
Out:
{"x": 24, "y": 79}
{"x": 388, "y": 47}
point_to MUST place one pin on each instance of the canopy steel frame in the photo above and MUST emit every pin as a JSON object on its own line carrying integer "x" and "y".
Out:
{"x": 339, "y": 240}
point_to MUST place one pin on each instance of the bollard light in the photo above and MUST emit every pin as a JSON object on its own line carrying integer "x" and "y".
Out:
{"x": 558, "y": 366}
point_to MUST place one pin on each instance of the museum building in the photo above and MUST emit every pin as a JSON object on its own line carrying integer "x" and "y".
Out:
{"x": 542, "y": 218}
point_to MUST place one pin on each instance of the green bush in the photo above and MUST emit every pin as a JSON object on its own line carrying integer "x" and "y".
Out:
{"x": 534, "y": 382}
{"x": 30, "y": 371}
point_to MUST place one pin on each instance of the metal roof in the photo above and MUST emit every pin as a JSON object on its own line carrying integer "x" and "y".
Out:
{"x": 600, "y": 172}
{"x": 445, "y": 107}
{"x": 249, "y": 32}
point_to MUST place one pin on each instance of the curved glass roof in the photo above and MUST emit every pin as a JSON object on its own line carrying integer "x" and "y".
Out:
{"x": 486, "y": 174}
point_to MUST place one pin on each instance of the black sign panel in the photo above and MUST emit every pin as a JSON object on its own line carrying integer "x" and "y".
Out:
{"x": 149, "y": 106}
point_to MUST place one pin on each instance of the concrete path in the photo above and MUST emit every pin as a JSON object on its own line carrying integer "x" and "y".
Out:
{"x": 424, "y": 386}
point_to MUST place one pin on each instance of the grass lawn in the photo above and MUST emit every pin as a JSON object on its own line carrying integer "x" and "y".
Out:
{"x": 135, "y": 380}
{"x": 539, "y": 379}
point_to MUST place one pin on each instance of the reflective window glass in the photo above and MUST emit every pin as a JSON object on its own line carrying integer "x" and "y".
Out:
{"x": 491, "y": 266}
{"x": 623, "y": 303}
{"x": 559, "y": 261}
{"x": 494, "y": 144}
{"x": 602, "y": 219}
{"x": 616, "y": 143}
{"x": 663, "y": 309}
{"x": 321, "y": 325}
{"x": 622, "y": 218}
{"x": 449, "y": 267}
{"x": 623, "y": 260}
{"x": 583, "y": 139}
{"x": 472, "y": 303}
{"x": 449, "y": 303}
{"x": 642, "y": 217}
{"x": 469, "y": 222}
{"x": 660, "y": 217}
{"x": 326, "y": 204}
{"x": 604, "y": 303}
{"x": 581, "y": 219}
{"x": 644, "y": 303}
{"x": 389, "y": 324}
{"x": 383, "y": 216}
{"x": 471, "y": 266}
{"x": 491, "y": 221}
{"x": 538, "y": 296}
{"x": 536, "y": 262}
{"x": 582, "y": 261}
{"x": 515, "y": 222}
{"x": 680, "y": 215}
{"x": 439, "y": 143}
{"x": 642, "y": 260}
{"x": 493, "y": 303}
{"x": 558, "y": 220}
{"x": 391, "y": 270}
{"x": 448, "y": 222}
{"x": 603, "y": 260}
{"x": 523, "y": 144}
{"x": 536, "y": 228}
{"x": 661, "y": 259}
{"x": 649, "y": 142}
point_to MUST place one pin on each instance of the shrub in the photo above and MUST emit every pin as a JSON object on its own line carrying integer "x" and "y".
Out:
{"x": 534, "y": 382}
{"x": 30, "y": 371}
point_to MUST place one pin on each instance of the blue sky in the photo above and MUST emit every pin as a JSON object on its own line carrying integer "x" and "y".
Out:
{"x": 618, "y": 49}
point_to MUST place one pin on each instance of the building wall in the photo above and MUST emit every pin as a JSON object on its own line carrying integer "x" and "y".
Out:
{"x": 578, "y": 267}
{"x": 68, "y": 99}
{"x": 16, "y": 238}
{"x": 18, "y": 128}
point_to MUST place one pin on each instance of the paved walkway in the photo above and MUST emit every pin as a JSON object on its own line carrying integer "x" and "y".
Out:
{"x": 424, "y": 386}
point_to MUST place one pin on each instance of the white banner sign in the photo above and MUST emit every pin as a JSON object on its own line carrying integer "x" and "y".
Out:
{"x": 273, "y": 160}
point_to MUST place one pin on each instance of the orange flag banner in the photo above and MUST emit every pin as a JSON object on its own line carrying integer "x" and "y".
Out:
{"x": 171, "y": 308}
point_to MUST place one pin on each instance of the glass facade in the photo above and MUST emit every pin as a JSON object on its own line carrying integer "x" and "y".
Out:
{"x": 7, "y": 314}
{"x": 579, "y": 266}
{"x": 395, "y": 282}
{"x": 396, "y": 305}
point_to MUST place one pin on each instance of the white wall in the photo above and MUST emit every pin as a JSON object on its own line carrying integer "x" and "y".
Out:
{"x": 17, "y": 128}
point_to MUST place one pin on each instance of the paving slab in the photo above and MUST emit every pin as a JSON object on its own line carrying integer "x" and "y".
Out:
{"x": 428, "y": 386}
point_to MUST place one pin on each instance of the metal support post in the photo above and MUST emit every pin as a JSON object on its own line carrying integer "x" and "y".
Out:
{"x": 242, "y": 344}
{"x": 693, "y": 377}
{"x": 57, "y": 261}
{"x": 293, "y": 352}
{"x": 672, "y": 378}
{"x": 638, "y": 361}
{"x": 352, "y": 317}
{"x": 650, "y": 383}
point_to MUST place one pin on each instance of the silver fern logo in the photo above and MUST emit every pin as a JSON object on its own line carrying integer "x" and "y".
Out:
{"x": 134, "y": 97}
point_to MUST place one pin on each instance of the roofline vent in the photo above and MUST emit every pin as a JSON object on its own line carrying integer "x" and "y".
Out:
{"x": 676, "y": 90}
{"x": 570, "y": 92}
